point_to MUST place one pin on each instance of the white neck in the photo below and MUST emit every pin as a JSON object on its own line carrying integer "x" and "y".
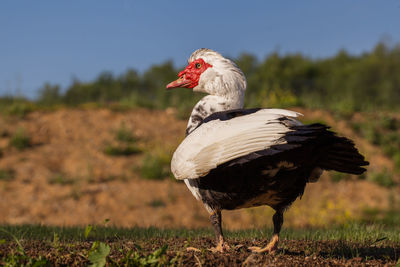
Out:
{"x": 224, "y": 82}
{"x": 211, "y": 104}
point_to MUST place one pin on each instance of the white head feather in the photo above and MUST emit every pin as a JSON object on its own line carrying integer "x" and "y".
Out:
{"x": 224, "y": 78}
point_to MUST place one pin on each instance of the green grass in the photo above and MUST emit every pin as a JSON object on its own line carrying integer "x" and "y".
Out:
{"x": 363, "y": 233}
{"x": 136, "y": 246}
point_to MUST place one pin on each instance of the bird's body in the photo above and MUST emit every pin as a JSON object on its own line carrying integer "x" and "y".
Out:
{"x": 237, "y": 158}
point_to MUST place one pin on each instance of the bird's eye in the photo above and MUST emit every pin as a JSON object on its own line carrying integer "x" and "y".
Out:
{"x": 198, "y": 65}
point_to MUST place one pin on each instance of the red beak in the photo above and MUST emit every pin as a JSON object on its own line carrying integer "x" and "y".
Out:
{"x": 181, "y": 82}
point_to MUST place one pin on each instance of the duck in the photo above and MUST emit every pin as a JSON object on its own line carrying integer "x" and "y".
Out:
{"x": 234, "y": 158}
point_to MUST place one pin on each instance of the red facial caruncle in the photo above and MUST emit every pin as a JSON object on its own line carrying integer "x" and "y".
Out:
{"x": 190, "y": 76}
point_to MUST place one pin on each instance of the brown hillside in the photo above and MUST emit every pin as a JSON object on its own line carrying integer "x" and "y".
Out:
{"x": 65, "y": 178}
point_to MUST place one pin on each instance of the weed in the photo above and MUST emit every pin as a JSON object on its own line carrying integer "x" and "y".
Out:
{"x": 20, "y": 140}
{"x": 88, "y": 229}
{"x": 98, "y": 254}
{"x": 19, "y": 257}
{"x": 155, "y": 166}
{"x": 157, "y": 258}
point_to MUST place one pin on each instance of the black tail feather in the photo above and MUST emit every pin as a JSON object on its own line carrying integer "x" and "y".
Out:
{"x": 334, "y": 152}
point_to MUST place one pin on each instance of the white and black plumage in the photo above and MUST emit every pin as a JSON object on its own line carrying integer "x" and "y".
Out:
{"x": 236, "y": 158}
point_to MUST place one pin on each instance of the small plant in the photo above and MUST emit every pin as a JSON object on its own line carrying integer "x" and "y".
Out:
{"x": 18, "y": 257}
{"x": 20, "y": 140}
{"x": 88, "y": 230}
{"x": 98, "y": 254}
{"x": 157, "y": 258}
{"x": 155, "y": 166}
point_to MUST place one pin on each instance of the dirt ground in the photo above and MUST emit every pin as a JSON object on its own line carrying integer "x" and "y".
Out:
{"x": 291, "y": 253}
{"x": 69, "y": 143}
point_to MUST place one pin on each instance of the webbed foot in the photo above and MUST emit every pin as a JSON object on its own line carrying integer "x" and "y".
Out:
{"x": 271, "y": 248}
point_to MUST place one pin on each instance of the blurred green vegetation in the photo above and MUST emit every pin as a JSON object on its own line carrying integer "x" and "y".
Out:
{"x": 124, "y": 144}
{"x": 343, "y": 83}
{"x": 20, "y": 139}
{"x": 382, "y": 130}
{"x": 156, "y": 166}
{"x": 7, "y": 174}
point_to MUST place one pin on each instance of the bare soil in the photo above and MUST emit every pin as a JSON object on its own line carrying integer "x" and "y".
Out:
{"x": 291, "y": 253}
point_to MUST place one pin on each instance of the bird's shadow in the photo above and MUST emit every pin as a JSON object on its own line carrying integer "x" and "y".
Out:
{"x": 349, "y": 250}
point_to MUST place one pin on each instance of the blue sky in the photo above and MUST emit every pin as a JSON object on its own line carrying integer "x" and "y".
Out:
{"x": 54, "y": 41}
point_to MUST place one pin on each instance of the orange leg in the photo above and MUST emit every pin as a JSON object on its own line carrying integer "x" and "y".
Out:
{"x": 273, "y": 244}
{"x": 222, "y": 246}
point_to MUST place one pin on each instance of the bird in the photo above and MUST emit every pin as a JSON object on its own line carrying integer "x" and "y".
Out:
{"x": 233, "y": 158}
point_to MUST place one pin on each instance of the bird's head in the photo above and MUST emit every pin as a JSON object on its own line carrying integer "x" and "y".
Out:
{"x": 211, "y": 73}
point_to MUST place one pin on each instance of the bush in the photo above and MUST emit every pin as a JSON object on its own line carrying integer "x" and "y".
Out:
{"x": 7, "y": 175}
{"x": 49, "y": 95}
{"x": 19, "y": 107}
{"x": 20, "y": 140}
{"x": 121, "y": 150}
{"x": 389, "y": 123}
{"x": 124, "y": 143}
{"x": 155, "y": 166}
{"x": 382, "y": 178}
{"x": 125, "y": 135}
